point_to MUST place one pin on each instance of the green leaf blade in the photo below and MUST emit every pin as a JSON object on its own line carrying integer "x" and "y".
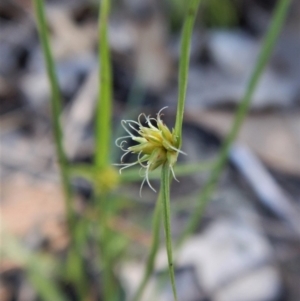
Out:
{"x": 104, "y": 105}
{"x": 184, "y": 64}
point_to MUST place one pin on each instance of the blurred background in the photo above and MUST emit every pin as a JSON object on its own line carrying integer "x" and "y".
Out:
{"x": 247, "y": 246}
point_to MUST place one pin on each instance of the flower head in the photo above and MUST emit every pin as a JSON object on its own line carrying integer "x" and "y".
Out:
{"x": 156, "y": 144}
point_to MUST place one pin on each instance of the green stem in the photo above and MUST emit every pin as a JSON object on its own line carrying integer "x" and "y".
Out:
{"x": 104, "y": 107}
{"x": 56, "y": 104}
{"x": 184, "y": 65}
{"x": 56, "y": 107}
{"x": 153, "y": 250}
{"x": 102, "y": 145}
{"x": 165, "y": 192}
{"x": 268, "y": 45}
{"x": 101, "y": 202}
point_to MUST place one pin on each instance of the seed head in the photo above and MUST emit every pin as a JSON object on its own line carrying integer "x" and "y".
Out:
{"x": 156, "y": 145}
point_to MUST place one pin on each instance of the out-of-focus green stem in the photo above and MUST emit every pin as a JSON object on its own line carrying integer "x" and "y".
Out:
{"x": 56, "y": 104}
{"x": 105, "y": 260}
{"x": 102, "y": 148}
{"x": 184, "y": 64}
{"x": 153, "y": 250}
{"x": 269, "y": 41}
{"x": 104, "y": 106}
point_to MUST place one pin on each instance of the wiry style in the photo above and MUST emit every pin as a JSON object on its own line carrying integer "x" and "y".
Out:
{"x": 156, "y": 145}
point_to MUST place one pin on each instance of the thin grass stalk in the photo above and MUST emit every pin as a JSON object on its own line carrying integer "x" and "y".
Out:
{"x": 104, "y": 105}
{"x": 268, "y": 45}
{"x": 153, "y": 250}
{"x": 109, "y": 285}
{"x": 102, "y": 147}
{"x": 184, "y": 64}
{"x": 165, "y": 197}
{"x": 56, "y": 108}
{"x": 56, "y": 105}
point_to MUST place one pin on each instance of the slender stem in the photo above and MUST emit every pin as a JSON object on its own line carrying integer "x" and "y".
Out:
{"x": 56, "y": 104}
{"x": 104, "y": 107}
{"x": 268, "y": 45}
{"x": 165, "y": 192}
{"x": 104, "y": 241}
{"x": 153, "y": 250}
{"x": 102, "y": 145}
{"x": 184, "y": 64}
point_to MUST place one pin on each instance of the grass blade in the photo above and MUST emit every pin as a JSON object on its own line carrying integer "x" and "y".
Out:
{"x": 104, "y": 106}
{"x": 56, "y": 107}
{"x": 268, "y": 45}
{"x": 102, "y": 148}
{"x": 184, "y": 64}
{"x": 56, "y": 104}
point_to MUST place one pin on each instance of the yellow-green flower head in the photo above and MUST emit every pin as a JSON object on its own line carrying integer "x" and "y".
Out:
{"x": 156, "y": 144}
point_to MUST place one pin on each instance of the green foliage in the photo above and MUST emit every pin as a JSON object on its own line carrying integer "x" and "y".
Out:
{"x": 184, "y": 65}
{"x": 41, "y": 269}
{"x": 94, "y": 226}
{"x": 214, "y": 13}
{"x": 104, "y": 108}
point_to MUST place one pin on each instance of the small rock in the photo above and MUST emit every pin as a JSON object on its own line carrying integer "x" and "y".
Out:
{"x": 232, "y": 262}
{"x": 233, "y": 50}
